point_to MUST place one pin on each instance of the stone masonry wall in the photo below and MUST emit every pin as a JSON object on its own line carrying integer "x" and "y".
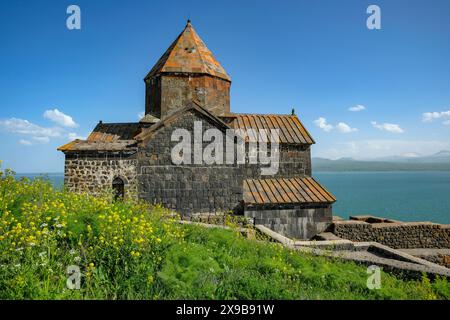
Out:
{"x": 186, "y": 188}
{"x": 167, "y": 93}
{"x": 398, "y": 235}
{"x": 297, "y": 222}
{"x": 94, "y": 173}
{"x": 153, "y": 96}
{"x": 295, "y": 161}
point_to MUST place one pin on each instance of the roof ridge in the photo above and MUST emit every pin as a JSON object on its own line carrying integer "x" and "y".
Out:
{"x": 192, "y": 105}
{"x": 197, "y": 45}
{"x": 257, "y": 114}
{"x": 118, "y": 122}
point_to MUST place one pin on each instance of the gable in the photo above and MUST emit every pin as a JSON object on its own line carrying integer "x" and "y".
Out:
{"x": 183, "y": 118}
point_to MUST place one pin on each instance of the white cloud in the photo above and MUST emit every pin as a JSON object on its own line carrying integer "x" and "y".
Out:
{"x": 370, "y": 149}
{"x": 341, "y": 127}
{"x": 141, "y": 115}
{"x": 25, "y": 142}
{"x": 60, "y": 118}
{"x": 390, "y": 127}
{"x": 21, "y": 126}
{"x": 357, "y": 108}
{"x": 73, "y": 136}
{"x": 345, "y": 128}
{"x": 447, "y": 123}
{"x": 322, "y": 124}
{"x": 430, "y": 116}
{"x": 410, "y": 155}
{"x": 42, "y": 139}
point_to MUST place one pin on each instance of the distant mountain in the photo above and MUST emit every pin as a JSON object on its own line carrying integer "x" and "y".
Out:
{"x": 408, "y": 162}
{"x": 440, "y": 157}
{"x": 444, "y": 154}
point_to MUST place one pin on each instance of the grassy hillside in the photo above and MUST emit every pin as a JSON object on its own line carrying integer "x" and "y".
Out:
{"x": 127, "y": 250}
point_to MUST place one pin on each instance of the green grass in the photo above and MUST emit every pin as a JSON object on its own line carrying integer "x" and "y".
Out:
{"x": 128, "y": 250}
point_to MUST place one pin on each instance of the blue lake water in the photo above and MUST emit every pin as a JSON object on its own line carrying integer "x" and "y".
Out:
{"x": 57, "y": 179}
{"x": 406, "y": 196}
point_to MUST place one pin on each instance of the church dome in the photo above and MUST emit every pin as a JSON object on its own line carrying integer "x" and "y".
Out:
{"x": 188, "y": 54}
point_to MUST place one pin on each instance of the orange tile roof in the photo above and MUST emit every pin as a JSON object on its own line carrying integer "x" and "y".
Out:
{"x": 291, "y": 130}
{"x": 106, "y": 137}
{"x": 285, "y": 191}
{"x": 83, "y": 145}
{"x": 188, "y": 54}
{"x": 109, "y": 132}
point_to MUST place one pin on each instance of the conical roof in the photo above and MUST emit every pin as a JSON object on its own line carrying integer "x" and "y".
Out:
{"x": 188, "y": 54}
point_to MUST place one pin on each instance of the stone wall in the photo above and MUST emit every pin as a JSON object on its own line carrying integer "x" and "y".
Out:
{"x": 94, "y": 173}
{"x": 293, "y": 221}
{"x": 186, "y": 188}
{"x": 399, "y": 235}
{"x": 441, "y": 259}
{"x": 153, "y": 96}
{"x": 166, "y": 93}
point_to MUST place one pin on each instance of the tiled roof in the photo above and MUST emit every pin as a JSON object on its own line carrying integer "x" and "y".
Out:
{"x": 106, "y": 137}
{"x": 83, "y": 145}
{"x": 284, "y": 191}
{"x": 291, "y": 130}
{"x": 188, "y": 54}
{"x": 109, "y": 132}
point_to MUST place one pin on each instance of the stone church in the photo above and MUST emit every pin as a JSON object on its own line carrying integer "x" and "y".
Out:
{"x": 185, "y": 86}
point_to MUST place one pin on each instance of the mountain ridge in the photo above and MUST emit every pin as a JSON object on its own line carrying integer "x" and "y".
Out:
{"x": 439, "y": 161}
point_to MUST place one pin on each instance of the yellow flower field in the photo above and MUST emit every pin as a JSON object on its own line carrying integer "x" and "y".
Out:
{"x": 60, "y": 245}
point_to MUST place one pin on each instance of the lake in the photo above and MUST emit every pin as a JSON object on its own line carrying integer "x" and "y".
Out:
{"x": 406, "y": 196}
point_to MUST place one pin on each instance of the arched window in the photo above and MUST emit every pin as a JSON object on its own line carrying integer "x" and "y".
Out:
{"x": 118, "y": 187}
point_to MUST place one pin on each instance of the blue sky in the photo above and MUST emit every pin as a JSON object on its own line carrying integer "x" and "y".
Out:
{"x": 317, "y": 56}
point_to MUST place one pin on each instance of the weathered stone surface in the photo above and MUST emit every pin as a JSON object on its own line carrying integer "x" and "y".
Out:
{"x": 166, "y": 93}
{"x": 294, "y": 161}
{"x": 95, "y": 173}
{"x": 401, "y": 235}
{"x": 297, "y": 222}
{"x": 186, "y": 188}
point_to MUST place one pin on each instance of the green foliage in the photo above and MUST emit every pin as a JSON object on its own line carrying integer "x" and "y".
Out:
{"x": 129, "y": 250}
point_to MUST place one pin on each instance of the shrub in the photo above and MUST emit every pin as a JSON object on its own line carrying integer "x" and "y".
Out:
{"x": 130, "y": 250}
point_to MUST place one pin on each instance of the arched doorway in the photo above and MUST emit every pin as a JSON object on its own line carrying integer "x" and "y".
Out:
{"x": 118, "y": 187}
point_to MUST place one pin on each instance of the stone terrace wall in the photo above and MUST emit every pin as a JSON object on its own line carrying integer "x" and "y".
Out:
{"x": 95, "y": 173}
{"x": 398, "y": 235}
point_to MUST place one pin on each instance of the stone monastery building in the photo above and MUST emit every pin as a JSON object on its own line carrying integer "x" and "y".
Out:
{"x": 188, "y": 85}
